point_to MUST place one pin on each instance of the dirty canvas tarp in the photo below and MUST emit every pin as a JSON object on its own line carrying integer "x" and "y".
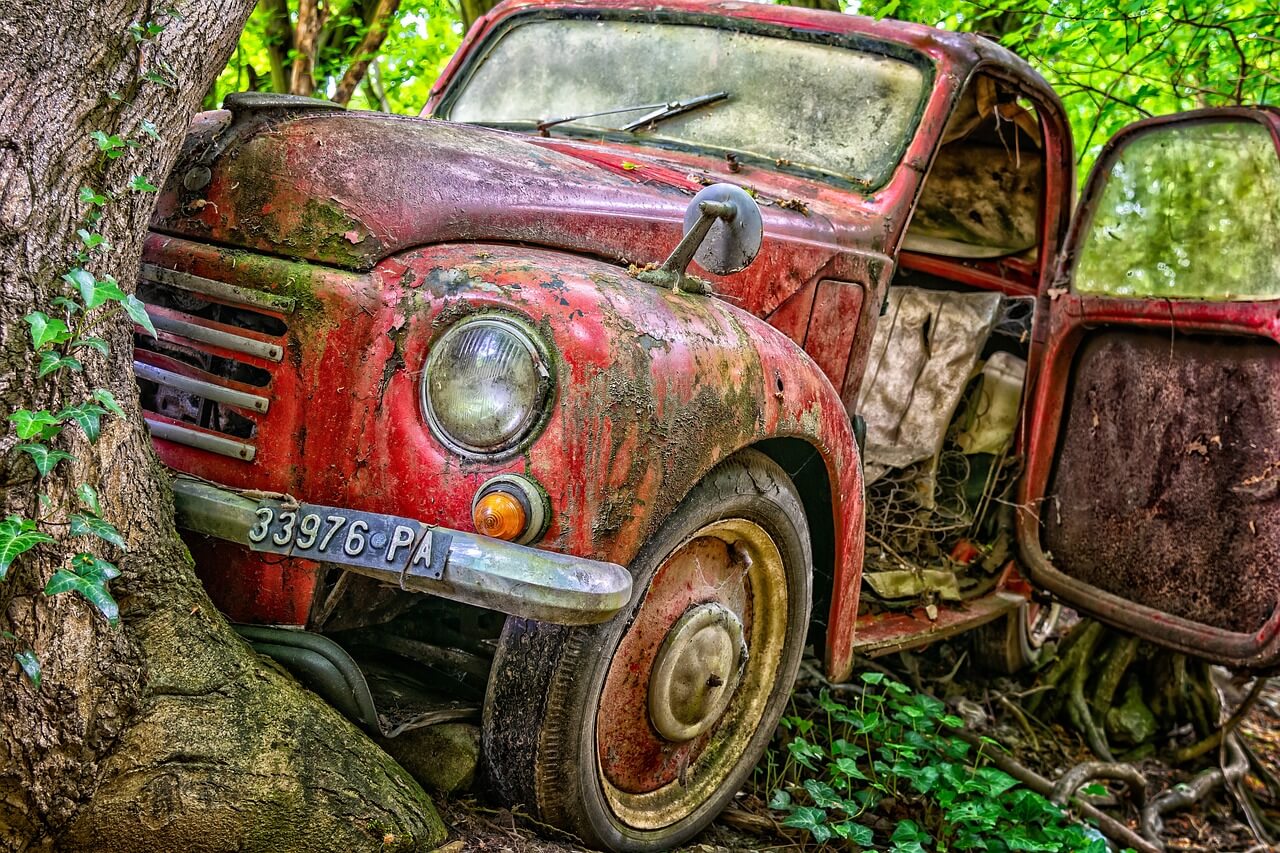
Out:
{"x": 924, "y": 351}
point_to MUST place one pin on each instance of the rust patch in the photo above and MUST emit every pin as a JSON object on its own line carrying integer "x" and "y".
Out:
{"x": 1151, "y": 496}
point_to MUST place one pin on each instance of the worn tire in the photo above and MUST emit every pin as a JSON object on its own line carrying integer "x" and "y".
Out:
{"x": 1014, "y": 642}
{"x": 546, "y": 696}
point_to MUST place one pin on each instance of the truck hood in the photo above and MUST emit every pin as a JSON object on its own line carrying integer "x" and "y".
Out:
{"x": 350, "y": 189}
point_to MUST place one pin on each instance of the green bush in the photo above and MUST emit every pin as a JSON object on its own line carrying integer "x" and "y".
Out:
{"x": 889, "y": 760}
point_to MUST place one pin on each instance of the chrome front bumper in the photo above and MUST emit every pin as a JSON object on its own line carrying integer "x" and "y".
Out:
{"x": 492, "y": 573}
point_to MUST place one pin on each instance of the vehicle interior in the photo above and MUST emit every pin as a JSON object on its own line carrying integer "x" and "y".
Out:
{"x": 943, "y": 385}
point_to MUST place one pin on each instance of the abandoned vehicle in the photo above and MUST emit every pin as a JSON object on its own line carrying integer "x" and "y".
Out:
{"x": 676, "y": 339}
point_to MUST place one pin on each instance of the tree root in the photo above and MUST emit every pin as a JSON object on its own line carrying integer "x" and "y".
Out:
{"x": 1203, "y": 746}
{"x": 1182, "y": 796}
{"x": 1071, "y": 781}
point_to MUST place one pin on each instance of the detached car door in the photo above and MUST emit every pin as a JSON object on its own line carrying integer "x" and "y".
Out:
{"x": 1150, "y": 499}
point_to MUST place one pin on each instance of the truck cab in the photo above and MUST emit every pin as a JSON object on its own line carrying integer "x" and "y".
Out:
{"x": 446, "y": 445}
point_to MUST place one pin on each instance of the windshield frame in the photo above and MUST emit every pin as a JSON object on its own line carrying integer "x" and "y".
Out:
{"x": 480, "y": 52}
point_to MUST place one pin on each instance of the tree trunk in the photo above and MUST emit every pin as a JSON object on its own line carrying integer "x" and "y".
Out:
{"x": 470, "y": 11}
{"x": 166, "y": 731}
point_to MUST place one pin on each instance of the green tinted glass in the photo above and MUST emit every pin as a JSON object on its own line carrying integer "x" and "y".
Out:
{"x": 1188, "y": 211}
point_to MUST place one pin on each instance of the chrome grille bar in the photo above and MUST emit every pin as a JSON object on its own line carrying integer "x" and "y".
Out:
{"x": 199, "y": 387}
{"x": 201, "y": 440}
{"x": 217, "y": 289}
{"x": 216, "y": 337}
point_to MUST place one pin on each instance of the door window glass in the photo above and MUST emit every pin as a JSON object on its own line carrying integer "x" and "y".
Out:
{"x": 1188, "y": 211}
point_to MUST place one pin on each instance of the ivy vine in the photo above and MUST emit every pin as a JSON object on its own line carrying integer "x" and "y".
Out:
{"x": 63, "y": 335}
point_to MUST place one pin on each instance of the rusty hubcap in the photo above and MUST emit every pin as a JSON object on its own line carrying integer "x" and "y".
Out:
{"x": 668, "y": 733}
{"x": 696, "y": 672}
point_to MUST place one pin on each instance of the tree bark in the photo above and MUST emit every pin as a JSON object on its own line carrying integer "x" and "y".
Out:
{"x": 165, "y": 732}
{"x": 384, "y": 12}
{"x": 305, "y": 37}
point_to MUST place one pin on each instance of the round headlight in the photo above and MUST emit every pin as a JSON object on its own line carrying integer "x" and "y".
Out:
{"x": 485, "y": 385}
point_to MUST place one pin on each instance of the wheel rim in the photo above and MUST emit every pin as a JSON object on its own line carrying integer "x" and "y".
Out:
{"x": 1041, "y": 619}
{"x": 692, "y": 677}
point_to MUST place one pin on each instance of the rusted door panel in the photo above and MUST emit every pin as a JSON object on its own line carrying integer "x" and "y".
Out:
{"x": 1153, "y": 456}
{"x": 1164, "y": 488}
{"x": 837, "y": 308}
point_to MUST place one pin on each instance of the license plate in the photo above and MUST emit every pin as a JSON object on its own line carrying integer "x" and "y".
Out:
{"x": 349, "y": 538}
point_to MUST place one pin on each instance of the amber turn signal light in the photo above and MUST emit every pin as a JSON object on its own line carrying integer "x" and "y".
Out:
{"x": 501, "y": 515}
{"x": 511, "y": 507}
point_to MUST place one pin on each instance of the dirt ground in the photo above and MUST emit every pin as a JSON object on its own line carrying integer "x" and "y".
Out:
{"x": 1216, "y": 825}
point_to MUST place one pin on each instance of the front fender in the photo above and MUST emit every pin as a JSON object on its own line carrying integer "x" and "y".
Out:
{"x": 654, "y": 389}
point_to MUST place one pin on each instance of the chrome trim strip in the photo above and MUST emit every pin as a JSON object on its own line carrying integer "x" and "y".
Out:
{"x": 208, "y": 390}
{"x": 201, "y": 440}
{"x": 217, "y": 289}
{"x": 217, "y": 337}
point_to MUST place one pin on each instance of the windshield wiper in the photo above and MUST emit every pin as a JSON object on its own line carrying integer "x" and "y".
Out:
{"x": 661, "y": 112}
{"x": 675, "y": 108}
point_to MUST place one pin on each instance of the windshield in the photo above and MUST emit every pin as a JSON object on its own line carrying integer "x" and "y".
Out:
{"x": 845, "y": 112}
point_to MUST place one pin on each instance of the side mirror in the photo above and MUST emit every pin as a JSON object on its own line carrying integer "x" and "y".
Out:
{"x": 722, "y": 231}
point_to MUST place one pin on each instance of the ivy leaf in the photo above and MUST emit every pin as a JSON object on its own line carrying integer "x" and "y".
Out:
{"x": 17, "y": 536}
{"x": 88, "y": 525}
{"x": 106, "y": 398}
{"x": 83, "y": 281}
{"x": 46, "y": 330}
{"x": 30, "y": 665}
{"x": 91, "y": 239}
{"x": 68, "y": 305}
{"x": 138, "y": 313}
{"x": 92, "y": 342}
{"x": 88, "y": 196}
{"x": 158, "y": 79}
{"x": 112, "y": 146}
{"x": 94, "y": 589}
{"x": 41, "y": 425}
{"x": 88, "y": 496}
{"x": 142, "y": 185}
{"x": 149, "y": 127}
{"x": 51, "y": 361}
{"x": 44, "y": 457}
{"x": 27, "y": 659}
{"x": 88, "y": 416}
{"x": 94, "y": 568}
{"x": 109, "y": 290}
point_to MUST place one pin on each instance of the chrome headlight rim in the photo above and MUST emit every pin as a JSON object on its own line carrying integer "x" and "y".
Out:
{"x": 540, "y": 411}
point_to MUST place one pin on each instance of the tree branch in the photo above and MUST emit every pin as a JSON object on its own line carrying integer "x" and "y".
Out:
{"x": 380, "y": 22}
{"x": 302, "y": 81}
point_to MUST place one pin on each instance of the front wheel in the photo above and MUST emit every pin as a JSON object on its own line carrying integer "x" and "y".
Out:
{"x": 634, "y": 734}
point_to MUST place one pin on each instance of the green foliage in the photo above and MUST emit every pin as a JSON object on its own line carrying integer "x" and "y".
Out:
{"x": 1116, "y": 61}
{"x": 88, "y": 576}
{"x": 17, "y": 536}
{"x": 67, "y": 327}
{"x": 891, "y": 751}
{"x": 422, "y": 37}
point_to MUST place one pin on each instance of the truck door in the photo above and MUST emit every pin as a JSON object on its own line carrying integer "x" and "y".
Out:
{"x": 1151, "y": 498}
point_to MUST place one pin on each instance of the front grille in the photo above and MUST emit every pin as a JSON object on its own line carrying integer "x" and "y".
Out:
{"x": 206, "y": 378}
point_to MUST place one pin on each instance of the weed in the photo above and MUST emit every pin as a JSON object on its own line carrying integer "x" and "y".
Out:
{"x": 884, "y": 772}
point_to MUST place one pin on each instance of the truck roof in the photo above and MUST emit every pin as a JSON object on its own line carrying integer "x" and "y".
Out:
{"x": 960, "y": 49}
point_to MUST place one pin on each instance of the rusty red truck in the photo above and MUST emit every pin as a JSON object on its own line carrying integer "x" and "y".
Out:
{"x": 674, "y": 340}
